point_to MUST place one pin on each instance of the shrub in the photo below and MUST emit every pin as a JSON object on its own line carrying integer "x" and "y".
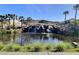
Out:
{"x": 62, "y": 47}
{"x": 16, "y": 47}
{"x": 11, "y": 48}
{"x": 37, "y": 49}
{"x": 7, "y": 48}
{"x": 26, "y": 48}
{"x": 1, "y": 45}
{"x": 48, "y": 47}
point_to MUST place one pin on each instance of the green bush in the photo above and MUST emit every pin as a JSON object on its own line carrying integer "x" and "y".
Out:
{"x": 60, "y": 47}
{"x": 16, "y": 47}
{"x": 37, "y": 49}
{"x": 11, "y": 48}
{"x": 1, "y": 45}
{"x": 26, "y": 48}
{"x": 7, "y": 48}
{"x": 48, "y": 48}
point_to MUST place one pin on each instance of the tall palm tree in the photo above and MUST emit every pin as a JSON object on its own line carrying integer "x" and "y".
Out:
{"x": 8, "y": 17}
{"x": 76, "y": 7}
{"x": 65, "y": 13}
{"x": 13, "y": 16}
{"x": 21, "y": 18}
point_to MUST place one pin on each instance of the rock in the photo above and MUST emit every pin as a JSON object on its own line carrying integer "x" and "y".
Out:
{"x": 75, "y": 44}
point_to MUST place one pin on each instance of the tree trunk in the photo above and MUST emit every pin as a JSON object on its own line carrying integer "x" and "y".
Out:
{"x": 9, "y": 24}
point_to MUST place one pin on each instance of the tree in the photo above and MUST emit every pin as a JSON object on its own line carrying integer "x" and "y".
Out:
{"x": 21, "y": 18}
{"x": 13, "y": 16}
{"x": 8, "y": 17}
{"x": 76, "y": 7}
{"x": 29, "y": 19}
{"x": 65, "y": 13}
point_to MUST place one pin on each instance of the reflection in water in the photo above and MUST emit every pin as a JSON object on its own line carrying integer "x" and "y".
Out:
{"x": 25, "y": 38}
{"x": 32, "y": 38}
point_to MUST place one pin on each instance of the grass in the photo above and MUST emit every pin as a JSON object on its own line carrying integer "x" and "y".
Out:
{"x": 38, "y": 47}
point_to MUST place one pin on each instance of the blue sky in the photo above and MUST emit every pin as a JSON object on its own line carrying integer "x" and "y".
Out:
{"x": 51, "y": 12}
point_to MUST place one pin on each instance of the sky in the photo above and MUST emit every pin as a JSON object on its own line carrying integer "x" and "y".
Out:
{"x": 51, "y": 12}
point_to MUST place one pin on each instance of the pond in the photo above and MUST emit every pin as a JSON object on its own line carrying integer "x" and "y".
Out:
{"x": 25, "y": 38}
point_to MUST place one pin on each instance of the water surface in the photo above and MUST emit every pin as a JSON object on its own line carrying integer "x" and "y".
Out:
{"x": 26, "y": 38}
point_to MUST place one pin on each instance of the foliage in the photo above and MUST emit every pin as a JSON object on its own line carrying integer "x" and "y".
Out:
{"x": 7, "y": 48}
{"x": 1, "y": 45}
{"x": 36, "y": 47}
{"x": 29, "y": 19}
{"x": 60, "y": 47}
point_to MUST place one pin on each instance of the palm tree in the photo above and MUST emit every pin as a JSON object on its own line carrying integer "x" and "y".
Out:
{"x": 13, "y": 16}
{"x": 21, "y": 18}
{"x": 8, "y": 17}
{"x": 65, "y": 13}
{"x": 76, "y": 7}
